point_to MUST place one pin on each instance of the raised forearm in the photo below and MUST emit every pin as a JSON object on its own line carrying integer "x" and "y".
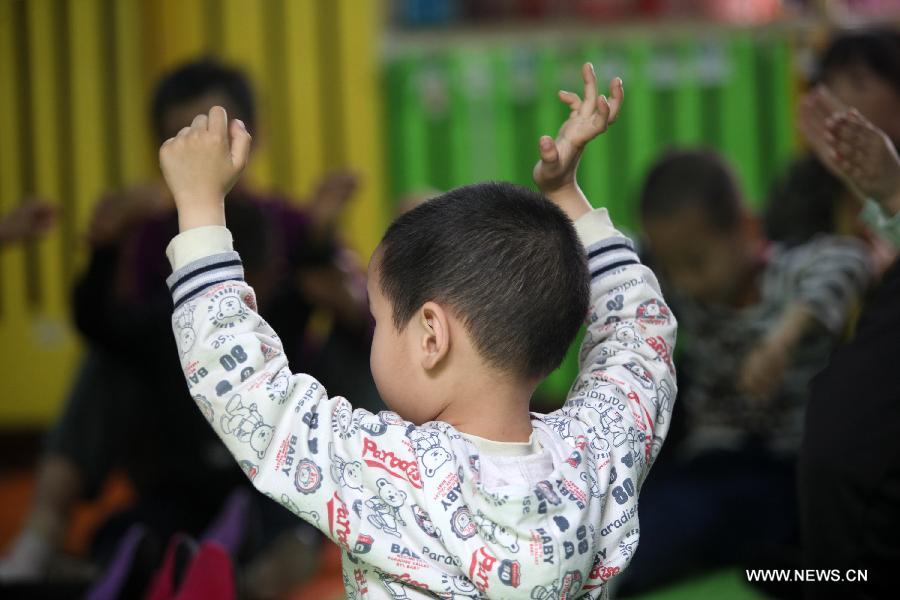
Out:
{"x": 571, "y": 200}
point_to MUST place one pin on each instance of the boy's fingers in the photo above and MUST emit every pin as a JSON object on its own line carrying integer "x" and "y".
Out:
{"x": 183, "y": 131}
{"x": 848, "y": 153}
{"x": 572, "y": 100}
{"x": 199, "y": 122}
{"x": 603, "y": 111}
{"x": 855, "y": 134}
{"x": 547, "y": 147}
{"x": 848, "y": 131}
{"x": 590, "y": 89}
{"x": 240, "y": 144}
{"x": 218, "y": 121}
{"x": 617, "y": 94}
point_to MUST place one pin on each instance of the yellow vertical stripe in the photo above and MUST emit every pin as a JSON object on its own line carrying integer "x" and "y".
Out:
{"x": 87, "y": 115}
{"x": 243, "y": 45}
{"x": 11, "y": 179}
{"x": 301, "y": 86}
{"x": 360, "y": 112}
{"x": 44, "y": 129}
{"x": 179, "y": 32}
{"x": 135, "y": 145}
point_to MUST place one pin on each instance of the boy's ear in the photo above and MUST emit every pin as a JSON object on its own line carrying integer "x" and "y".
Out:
{"x": 435, "y": 334}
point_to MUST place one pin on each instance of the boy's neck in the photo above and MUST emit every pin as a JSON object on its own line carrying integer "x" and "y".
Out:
{"x": 491, "y": 410}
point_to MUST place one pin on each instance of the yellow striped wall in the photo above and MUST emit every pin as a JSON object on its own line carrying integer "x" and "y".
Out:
{"x": 75, "y": 80}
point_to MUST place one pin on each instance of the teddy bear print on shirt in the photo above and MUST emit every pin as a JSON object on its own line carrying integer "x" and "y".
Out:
{"x": 386, "y": 506}
{"x": 429, "y": 450}
{"x": 226, "y": 308}
{"x": 246, "y": 424}
{"x": 184, "y": 325}
{"x": 347, "y": 474}
{"x": 279, "y": 386}
{"x": 495, "y": 533}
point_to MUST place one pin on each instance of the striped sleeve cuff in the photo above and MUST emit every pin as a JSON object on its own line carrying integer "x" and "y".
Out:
{"x": 607, "y": 249}
{"x": 198, "y": 242}
{"x": 192, "y": 279}
{"x": 610, "y": 254}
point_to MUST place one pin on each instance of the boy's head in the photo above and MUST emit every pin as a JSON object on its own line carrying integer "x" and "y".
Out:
{"x": 194, "y": 88}
{"x": 862, "y": 68}
{"x": 697, "y": 227}
{"x": 490, "y": 277}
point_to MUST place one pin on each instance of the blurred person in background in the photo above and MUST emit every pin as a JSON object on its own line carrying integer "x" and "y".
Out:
{"x": 115, "y": 419}
{"x": 850, "y": 459}
{"x": 758, "y": 320}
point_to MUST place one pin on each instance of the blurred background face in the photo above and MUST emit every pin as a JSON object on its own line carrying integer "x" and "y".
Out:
{"x": 180, "y": 115}
{"x": 871, "y": 95}
{"x": 699, "y": 260}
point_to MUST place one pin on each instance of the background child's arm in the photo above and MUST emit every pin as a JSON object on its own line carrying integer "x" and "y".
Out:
{"x": 765, "y": 366}
{"x": 296, "y": 444}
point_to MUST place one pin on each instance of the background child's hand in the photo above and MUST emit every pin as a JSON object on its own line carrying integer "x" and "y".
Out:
{"x": 851, "y": 147}
{"x": 118, "y": 212}
{"x": 763, "y": 372}
{"x": 329, "y": 200}
{"x": 31, "y": 219}
{"x": 766, "y": 364}
{"x": 201, "y": 164}
{"x": 554, "y": 173}
{"x": 865, "y": 157}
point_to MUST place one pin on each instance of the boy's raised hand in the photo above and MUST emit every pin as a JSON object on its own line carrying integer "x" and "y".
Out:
{"x": 554, "y": 173}
{"x": 201, "y": 164}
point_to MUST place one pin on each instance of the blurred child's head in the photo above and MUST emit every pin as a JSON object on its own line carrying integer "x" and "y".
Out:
{"x": 194, "y": 88}
{"x": 697, "y": 227}
{"x": 808, "y": 200}
{"x": 862, "y": 68}
{"x": 485, "y": 279}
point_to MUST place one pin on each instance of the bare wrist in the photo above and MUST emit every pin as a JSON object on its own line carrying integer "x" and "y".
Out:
{"x": 201, "y": 216}
{"x": 571, "y": 200}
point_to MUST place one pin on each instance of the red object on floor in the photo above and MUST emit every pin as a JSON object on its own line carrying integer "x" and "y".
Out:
{"x": 210, "y": 575}
{"x": 162, "y": 587}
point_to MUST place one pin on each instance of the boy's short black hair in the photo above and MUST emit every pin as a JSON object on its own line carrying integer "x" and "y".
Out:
{"x": 877, "y": 49}
{"x": 699, "y": 178}
{"x": 504, "y": 259}
{"x": 803, "y": 203}
{"x": 194, "y": 79}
